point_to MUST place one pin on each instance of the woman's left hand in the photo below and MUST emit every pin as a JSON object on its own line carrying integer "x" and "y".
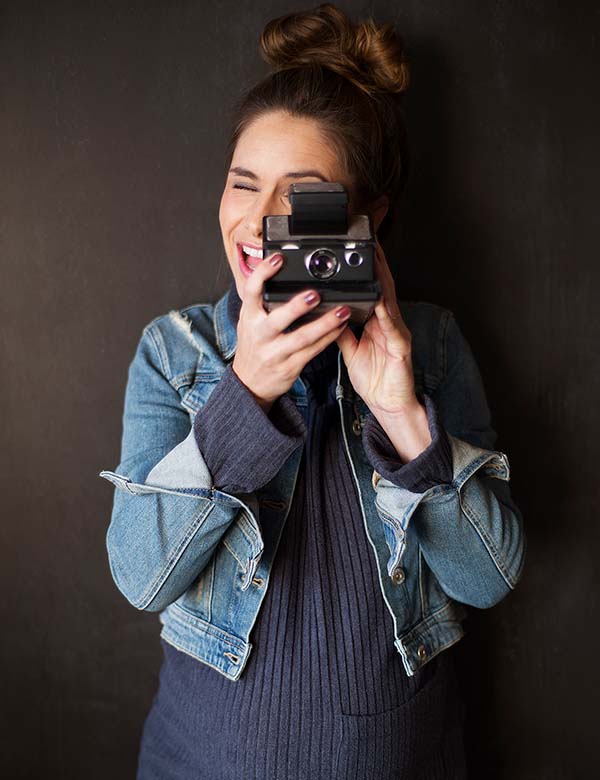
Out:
{"x": 380, "y": 364}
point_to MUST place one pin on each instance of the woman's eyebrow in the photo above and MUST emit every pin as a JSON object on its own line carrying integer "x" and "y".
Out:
{"x": 291, "y": 175}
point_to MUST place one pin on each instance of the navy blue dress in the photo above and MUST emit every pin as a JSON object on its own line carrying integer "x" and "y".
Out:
{"x": 324, "y": 694}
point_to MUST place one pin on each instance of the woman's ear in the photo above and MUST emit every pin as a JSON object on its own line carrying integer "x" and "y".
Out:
{"x": 378, "y": 209}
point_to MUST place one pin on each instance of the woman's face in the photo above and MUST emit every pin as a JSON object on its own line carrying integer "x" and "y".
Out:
{"x": 272, "y": 153}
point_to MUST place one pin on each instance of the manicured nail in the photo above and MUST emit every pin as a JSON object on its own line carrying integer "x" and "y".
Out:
{"x": 312, "y": 297}
{"x": 276, "y": 259}
{"x": 343, "y": 312}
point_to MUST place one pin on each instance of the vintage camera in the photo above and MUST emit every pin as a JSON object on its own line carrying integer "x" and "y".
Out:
{"x": 323, "y": 249}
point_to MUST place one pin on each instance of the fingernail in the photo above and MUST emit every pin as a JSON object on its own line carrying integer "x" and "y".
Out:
{"x": 343, "y": 312}
{"x": 276, "y": 259}
{"x": 311, "y": 297}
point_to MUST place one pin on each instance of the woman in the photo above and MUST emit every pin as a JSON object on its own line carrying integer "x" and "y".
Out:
{"x": 328, "y": 496}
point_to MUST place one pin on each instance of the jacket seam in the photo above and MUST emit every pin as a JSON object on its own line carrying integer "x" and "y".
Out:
{"x": 473, "y": 519}
{"x": 161, "y": 351}
{"x": 183, "y": 379}
{"x": 431, "y": 621}
{"x": 154, "y": 588}
{"x": 229, "y": 548}
{"x": 205, "y": 626}
{"x": 421, "y": 591}
{"x": 187, "y": 649}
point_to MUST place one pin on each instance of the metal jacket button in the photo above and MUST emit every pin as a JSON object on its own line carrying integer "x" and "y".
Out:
{"x": 398, "y": 576}
{"x": 422, "y": 652}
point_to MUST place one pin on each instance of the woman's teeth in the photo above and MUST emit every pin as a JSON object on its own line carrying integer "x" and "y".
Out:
{"x": 251, "y": 252}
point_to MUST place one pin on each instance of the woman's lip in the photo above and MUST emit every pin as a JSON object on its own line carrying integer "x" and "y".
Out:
{"x": 247, "y": 243}
{"x": 244, "y": 267}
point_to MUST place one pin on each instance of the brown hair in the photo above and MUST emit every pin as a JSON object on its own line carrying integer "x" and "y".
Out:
{"x": 349, "y": 77}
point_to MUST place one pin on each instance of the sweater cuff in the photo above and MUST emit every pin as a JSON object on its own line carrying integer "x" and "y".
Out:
{"x": 431, "y": 467}
{"x": 242, "y": 446}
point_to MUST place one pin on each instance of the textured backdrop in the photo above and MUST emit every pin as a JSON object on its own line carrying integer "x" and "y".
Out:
{"x": 112, "y": 124}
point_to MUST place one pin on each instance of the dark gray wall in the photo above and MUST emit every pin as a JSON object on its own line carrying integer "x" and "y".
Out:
{"x": 113, "y": 119}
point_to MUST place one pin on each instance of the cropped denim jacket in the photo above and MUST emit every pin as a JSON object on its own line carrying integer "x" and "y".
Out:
{"x": 202, "y": 557}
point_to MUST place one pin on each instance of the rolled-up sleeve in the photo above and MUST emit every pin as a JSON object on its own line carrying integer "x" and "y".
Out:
{"x": 243, "y": 446}
{"x": 431, "y": 467}
{"x": 470, "y": 531}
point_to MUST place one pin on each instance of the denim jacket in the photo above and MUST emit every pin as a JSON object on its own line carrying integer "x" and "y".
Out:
{"x": 201, "y": 557}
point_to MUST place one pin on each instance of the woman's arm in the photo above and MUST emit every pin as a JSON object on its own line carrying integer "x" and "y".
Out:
{"x": 243, "y": 446}
{"x": 468, "y": 527}
{"x": 168, "y": 513}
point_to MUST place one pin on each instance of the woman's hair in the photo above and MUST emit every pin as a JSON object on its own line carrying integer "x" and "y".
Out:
{"x": 349, "y": 77}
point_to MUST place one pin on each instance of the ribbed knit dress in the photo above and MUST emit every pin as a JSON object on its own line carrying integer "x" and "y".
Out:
{"x": 324, "y": 694}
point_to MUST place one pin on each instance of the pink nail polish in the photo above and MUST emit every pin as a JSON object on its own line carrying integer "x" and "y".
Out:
{"x": 343, "y": 312}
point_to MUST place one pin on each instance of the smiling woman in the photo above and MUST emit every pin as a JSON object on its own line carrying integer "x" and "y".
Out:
{"x": 310, "y": 511}
{"x": 280, "y": 149}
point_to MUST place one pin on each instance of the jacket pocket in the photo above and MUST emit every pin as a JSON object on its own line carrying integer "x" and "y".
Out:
{"x": 198, "y": 597}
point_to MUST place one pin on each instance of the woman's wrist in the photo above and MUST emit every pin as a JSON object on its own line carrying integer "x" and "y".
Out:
{"x": 407, "y": 430}
{"x": 264, "y": 404}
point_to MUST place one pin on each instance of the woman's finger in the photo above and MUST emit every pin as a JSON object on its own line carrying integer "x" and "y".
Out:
{"x": 314, "y": 331}
{"x": 284, "y": 315}
{"x": 303, "y": 356}
{"x": 253, "y": 288}
{"x": 388, "y": 287}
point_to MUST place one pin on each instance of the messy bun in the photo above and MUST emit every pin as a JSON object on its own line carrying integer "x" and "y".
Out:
{"x": 370, "y": 56}
{"x": 349, "y": 77}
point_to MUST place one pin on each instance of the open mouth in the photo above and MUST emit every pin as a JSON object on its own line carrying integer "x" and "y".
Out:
{"x": 249, "y": 257}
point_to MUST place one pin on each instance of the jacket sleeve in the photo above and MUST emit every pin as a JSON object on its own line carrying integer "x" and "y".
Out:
{"x": 168, "y": 516}
{"x": 469, "y": 529}
{"x": 431, "y": 467}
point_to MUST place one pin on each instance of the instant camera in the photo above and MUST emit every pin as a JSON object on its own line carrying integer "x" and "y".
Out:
{"x": 323, "y": 249}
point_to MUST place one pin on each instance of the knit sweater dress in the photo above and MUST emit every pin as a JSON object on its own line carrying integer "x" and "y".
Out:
{"x": 324, "y": 694}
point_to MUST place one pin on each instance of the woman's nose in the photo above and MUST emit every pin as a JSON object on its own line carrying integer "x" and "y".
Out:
{"x": 254, "y": 223}
{"x": 263, "y": 206}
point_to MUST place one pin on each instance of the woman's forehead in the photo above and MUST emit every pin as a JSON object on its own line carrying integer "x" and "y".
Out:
{"x": 278, "y": 144}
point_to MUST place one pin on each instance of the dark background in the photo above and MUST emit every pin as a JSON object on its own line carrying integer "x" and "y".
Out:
{"x": 113, "y": 121}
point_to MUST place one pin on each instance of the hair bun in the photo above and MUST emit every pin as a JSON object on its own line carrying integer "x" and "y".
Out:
{"x": 371, "y": 56}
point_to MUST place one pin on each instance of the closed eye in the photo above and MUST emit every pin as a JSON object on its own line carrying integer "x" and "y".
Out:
{"x": 253, "y": 189}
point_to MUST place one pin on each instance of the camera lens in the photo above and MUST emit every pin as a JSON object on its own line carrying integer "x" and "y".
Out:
{"x": 322, "y": 264}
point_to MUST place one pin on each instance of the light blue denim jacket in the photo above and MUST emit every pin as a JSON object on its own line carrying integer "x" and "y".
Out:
{"x": 201, "y": 557}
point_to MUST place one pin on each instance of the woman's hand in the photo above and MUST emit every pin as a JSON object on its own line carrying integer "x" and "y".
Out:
{"x": 380, "y": 369}
{"x": 268, "y": 361}
{"x": 380, "y": 365}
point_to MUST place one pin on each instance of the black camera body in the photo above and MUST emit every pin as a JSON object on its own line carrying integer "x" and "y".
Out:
{"x": 323, "y": 249}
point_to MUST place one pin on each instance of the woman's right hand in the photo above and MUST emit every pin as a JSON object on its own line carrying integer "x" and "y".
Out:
{"x": 267, "y": 360}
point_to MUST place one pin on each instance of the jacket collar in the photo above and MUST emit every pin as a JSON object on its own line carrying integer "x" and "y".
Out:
{"x": 227, "y": 312}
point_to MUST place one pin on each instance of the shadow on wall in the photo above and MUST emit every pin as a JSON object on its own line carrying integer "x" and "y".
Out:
{"x": 442, "y": 251}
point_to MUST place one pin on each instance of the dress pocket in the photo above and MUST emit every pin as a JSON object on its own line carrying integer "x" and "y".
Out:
{"x": 419, "y": 740}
